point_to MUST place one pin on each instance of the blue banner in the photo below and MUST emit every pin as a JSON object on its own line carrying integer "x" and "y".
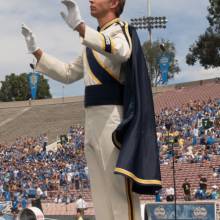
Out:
{"x": 164, "y": 63}
{"x": 164, "y": 69}
{"x": 200, "y": 211}
{"x": 33, "y": 79}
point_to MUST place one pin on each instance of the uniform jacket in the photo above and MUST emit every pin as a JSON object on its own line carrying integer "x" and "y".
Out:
{"x": 110, "y": 48}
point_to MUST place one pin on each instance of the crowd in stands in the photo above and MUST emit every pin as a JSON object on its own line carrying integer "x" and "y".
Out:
{"x": 199, "y": 193}
{"x": 29, "y": 170}
{"x": 194, "y": 131}
{"x": 190, "y": 134}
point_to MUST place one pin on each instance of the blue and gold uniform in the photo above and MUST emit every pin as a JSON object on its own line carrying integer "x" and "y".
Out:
{"x": 109, "y": 45}
{"x": 101, "y": 65}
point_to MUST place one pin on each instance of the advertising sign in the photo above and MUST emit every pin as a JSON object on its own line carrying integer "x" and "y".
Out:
{"x": 162, "y": 211}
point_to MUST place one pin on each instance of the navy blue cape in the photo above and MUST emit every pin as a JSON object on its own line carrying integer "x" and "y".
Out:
{"x": 136, "y": 135}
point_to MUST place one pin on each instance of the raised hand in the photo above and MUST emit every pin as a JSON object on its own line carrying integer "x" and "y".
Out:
{"x": 73, "y": 18}
{"x": 29, "y": 38}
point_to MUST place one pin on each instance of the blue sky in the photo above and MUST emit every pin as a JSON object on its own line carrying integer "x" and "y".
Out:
{"x": 186, "y": 21}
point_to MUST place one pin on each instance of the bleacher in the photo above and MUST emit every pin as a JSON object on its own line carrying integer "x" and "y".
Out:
{"x": 40, "y": 117}
{"x": 191, "y": 172}
{"x": 175, "y": 96}
{"x": 55, "y": 116}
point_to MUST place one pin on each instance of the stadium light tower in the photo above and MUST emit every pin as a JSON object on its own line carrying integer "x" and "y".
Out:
{"x": 149, "y": 22}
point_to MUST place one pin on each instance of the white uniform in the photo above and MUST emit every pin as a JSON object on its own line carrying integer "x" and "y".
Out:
{"x": 111, "y": 47}
{"x": 81, "y": 204}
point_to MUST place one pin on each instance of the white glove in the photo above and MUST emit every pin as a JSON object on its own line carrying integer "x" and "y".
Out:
{"x": 73, "y": 19}
{"x": 29, "y": 38}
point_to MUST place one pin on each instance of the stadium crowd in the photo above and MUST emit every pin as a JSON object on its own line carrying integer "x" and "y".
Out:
{"x": 190, "y": 134}
{"x": 194, "y": 131}
{"x": 28, "y": 169}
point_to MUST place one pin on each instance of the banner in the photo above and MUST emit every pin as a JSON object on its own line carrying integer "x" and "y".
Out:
{"x": 164, "y": 64}
{"x": 200, "y": 211}
{"x": 164, "y": 69}
{"x": 33, "y": 79}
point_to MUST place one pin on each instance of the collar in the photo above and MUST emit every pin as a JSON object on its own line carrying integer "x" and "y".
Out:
{"x": 108, "y": 24}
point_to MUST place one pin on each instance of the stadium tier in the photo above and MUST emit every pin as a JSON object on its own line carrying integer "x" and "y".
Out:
{"x": 27, "y": 127}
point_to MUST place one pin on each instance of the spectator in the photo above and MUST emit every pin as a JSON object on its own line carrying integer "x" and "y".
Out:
{"x": 14, "y": 208}
{"x": 45, "y": 142}
{"x": 58, "y": 199}
{"x": 186, "y": 188}
{"x": 39, "y": 192}
{"x": 81, "y": 205}
{"x": 214, "y": 194}
{"x": 78, "y": 215}
{"x": 24, "y": 202}
{"x": 202, "y": 183}
{"x": 158, "y": 196}
{"x": 170, "y": 194}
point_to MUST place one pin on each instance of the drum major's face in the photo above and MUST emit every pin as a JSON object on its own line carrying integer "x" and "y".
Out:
{"x": 99, "y": 8}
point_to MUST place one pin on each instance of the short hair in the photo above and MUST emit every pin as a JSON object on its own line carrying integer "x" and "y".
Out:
{"x": 120, "y": 8}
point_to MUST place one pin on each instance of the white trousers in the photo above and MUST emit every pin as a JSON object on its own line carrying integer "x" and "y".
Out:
{"x": 111, "y": 193}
